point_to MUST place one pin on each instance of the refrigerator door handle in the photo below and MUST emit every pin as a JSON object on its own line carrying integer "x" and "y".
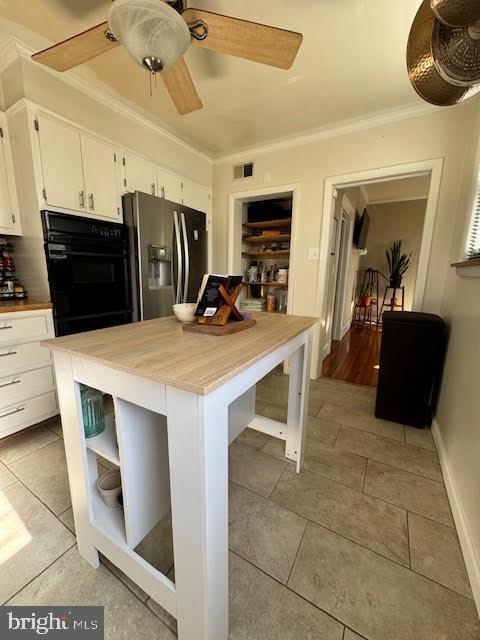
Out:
{"x": 178, "y": 291}
{"x": 187, "y": 258}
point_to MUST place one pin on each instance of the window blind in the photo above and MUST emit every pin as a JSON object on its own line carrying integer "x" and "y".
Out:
{"x": 473, "y": 242}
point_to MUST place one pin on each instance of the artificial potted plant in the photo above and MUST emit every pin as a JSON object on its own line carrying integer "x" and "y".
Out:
{"x": 398, "y": 263}
{"x": 366, "y": 291}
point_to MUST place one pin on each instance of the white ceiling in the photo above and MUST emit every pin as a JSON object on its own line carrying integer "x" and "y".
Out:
{"x": 351, "y": 65}
{"x": 415, "y": 188}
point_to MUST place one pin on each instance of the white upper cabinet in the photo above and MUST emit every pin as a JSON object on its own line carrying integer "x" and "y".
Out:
{"x": 203, "y": 199}
{"x": 85, "y": 174}
{"x": 169, "y": 185}
{"x": 100, "y": 173}
{"x": 139, "y": 174}
{"x": 9, "y": 210}
{"x": 188, "y": 193}
{"x": 62, "y": 168}
{"x": 7, "y": 218}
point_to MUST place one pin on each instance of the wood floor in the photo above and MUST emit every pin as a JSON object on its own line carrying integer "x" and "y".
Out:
{"x": 355, "y": 358}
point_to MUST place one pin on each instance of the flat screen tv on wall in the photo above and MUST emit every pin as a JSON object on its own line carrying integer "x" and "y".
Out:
{"x": 360, "y": 232}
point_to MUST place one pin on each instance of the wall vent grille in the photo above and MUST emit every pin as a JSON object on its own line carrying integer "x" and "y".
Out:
{"x": 241, "y": 171}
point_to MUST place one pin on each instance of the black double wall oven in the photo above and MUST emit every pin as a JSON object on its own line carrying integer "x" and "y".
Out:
{"x": 88, "y": 272}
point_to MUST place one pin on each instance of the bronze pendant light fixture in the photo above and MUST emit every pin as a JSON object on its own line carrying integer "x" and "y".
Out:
{"x": 443, "y": 51}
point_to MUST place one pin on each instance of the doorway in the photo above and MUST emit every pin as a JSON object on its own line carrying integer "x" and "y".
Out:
{"x": 280, "y": 249}
{"x": 401, "y": 205}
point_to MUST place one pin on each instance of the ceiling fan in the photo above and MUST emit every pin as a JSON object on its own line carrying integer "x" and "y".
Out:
{"x": 443, "y": 52}
{"x": 157, "y": 33}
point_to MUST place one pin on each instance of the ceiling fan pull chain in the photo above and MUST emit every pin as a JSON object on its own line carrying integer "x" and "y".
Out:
{"x": 198, "y": 24}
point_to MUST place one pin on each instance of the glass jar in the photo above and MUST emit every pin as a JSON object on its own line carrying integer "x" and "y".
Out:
{"x": 92, "y": 411}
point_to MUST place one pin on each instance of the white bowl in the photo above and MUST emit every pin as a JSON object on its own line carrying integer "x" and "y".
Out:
{"x": 185, "y": 312}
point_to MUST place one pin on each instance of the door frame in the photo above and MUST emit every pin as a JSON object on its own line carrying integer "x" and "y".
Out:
{"x": 347, "y": 214}
{"x": 235, "y": 208}
{"x": 434, "y": 168}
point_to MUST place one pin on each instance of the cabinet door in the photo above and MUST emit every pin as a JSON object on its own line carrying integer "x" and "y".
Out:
{"x": 6, "y": 214}
{"x": 61, "y": 164}
{"x": 99, "y": 168}
{"x": 169, "y": 185}
{"x": 188, "y": 193}
{"x": 140, "y": 175}
{"x": 203, "y": 199}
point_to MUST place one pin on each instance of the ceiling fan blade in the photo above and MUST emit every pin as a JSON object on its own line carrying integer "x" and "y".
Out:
{"x": 76, "y": 50}
{"x": 180, "y": 86}
{"x": 250, "y": 40}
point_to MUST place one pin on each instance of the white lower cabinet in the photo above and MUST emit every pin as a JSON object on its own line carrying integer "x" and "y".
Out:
{"x": 27, "y": 380}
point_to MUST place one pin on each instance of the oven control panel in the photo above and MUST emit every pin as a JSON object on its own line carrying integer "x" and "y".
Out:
{"x": 105, "y": 231}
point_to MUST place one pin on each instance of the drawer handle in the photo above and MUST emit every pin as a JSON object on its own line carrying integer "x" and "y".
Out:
{"x": 11, "y": 413}
{"x": 9, "y": 353}
{"x": 7, "y": 326}
{"x": 9, "y": 384}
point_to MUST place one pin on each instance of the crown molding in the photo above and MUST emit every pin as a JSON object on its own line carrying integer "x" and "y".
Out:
{"x": 14, "y": 49}
{"x": 9, "y": 52}
{"x": 339, "y": 129}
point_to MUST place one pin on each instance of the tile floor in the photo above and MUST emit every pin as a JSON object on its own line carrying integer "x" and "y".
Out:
{"x": 360, "y": 545}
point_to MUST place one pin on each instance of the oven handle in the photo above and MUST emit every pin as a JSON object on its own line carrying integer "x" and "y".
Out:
{"x": 95, "y": 254}
{"x": 178, "y": 292}
{"x": 187, "y": 258}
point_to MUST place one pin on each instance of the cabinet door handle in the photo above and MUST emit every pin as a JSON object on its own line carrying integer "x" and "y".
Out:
{"x": 82, "y": 199}
{"x": 9, "y": 384}
{"x": 91, "y": 201}
{"x": 7, "y": 326}
{"x": 153, "y": 189}
{"x": 11, "y": 413}
{"x": 9, "y": 353}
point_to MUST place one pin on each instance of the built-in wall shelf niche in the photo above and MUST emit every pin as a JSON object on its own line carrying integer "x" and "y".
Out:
{"x": 266, "y": 237}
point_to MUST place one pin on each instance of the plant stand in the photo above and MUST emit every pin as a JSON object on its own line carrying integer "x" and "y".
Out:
{"x": 363, "y": 311}
{"x": 392, "y": 305}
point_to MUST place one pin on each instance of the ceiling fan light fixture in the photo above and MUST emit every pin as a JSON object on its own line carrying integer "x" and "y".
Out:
{"x": 149, "y": 30}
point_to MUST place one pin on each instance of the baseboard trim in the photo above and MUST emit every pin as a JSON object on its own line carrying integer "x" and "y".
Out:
{"x": 346, "y": 328}
{"x": 470, "y": 556}
{"x": 324, "y": 353}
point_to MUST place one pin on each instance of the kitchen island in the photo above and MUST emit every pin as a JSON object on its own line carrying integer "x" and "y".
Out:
{"x": 180, "y": 398}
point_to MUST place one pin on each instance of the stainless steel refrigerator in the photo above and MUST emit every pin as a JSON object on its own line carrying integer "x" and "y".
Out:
{"x": 168, "y": 253}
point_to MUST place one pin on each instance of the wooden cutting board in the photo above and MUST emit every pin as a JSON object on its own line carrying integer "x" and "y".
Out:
{"x": 216, "y": 330}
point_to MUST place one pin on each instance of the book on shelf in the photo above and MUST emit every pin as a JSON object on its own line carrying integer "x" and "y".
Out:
{"x": 209, "y": 298}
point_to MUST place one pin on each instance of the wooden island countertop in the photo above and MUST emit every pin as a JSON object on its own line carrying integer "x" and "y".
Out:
{"x": 160, "y": 350}
{"x": 12, "y": 306}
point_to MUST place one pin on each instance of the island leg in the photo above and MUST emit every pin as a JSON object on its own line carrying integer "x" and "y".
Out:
{"x": 79, "y": 463}
{"x": 198, "y": 454}
{"x": 298, "y": 387}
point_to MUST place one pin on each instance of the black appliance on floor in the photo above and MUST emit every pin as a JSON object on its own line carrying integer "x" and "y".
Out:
{"x": 411, "y": 360}
{"x": 88, "y": 272}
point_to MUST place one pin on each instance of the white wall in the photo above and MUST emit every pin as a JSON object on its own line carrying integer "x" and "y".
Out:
{"x": 442, "y": 134}
{"x": 395, "y": 221}
{"x": 458, "y": 413}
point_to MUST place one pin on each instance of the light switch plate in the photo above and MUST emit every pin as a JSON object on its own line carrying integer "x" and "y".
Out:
{"x": 313, "y": 253}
